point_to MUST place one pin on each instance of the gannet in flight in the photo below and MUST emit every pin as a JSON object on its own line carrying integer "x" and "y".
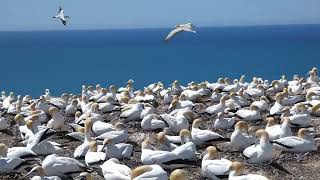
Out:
{"x": 61, "y": 16}
{"x": 180, "y": 28}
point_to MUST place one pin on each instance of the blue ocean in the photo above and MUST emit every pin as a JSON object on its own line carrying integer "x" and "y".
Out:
{"x": 62, "y": 61}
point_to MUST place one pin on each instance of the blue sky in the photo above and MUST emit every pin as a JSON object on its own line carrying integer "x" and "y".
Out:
{"x": 96, "y": 14}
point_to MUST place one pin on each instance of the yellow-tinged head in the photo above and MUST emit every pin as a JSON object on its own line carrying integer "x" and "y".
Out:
{"x": 212, "y": 151}
{"x": 237, "y": 167}
{"x": 140, "y": 170}
{"x": 242, "y": 125}
{"x": 196, "y": 123}
{"x": 179, "y": 174}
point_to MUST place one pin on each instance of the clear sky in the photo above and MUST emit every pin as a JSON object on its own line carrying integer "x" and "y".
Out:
{"x": 96, "y": 14}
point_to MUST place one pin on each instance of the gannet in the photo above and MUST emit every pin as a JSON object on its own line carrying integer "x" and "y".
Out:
{"x": 216, "y": 95}
{"x": 223, "y": 122}
{"x": 8, "y": 101}
{"x": 240, "y": 138}
{"x": 8, "y": 164}
{"x": 149, "y": 172}
{"x": 200, "y": 136}
{"x": 315, "y": 110}
{"x": 179, "y": 174}
{"x": 61, "y": 16}
{"x": 251, "y": 114}
{"x": 93, "y": 157}
{"x": 301, "y": 117}
{"x": 215, "y": 109}
{"x": 132, "y": 113}
{"x": 164, "y": 143}
{"x": 60, "y": 102}
{"x": 236, "y": 173}
{"x": 42, "y": 174}
{"x": 82, "y": 149}
{"x": 152, "y": 121}
{"x": 176, "y": 89}
{"x": 177, "y": 104}
{"x": 180, "y": 28}
{"x": 118, "y": 136}
{"x": 179, "y": 121}
{"x": 57, "y": 119}
{"x": 262, "y": 104}
{"x": 100, "y": 127}
{"x": 214, "y": 168}
{"x": 113, "y": 170}
{"x": 42, "y": 105}
{"x": 71, "y": 109}
{"x": 255, "y": 92}
{"x": 119, "y": 151}
{"x": 262, "y": 152}
{"x": 187, "y": 149}
{"x": 100, "y": 94}
{"x": 304, "y": 142}
{"x": 233, "y": 87}
{"x": 277, "y": 131}
{"x": 277, "y": 107}
{"x": 108, "y": 105}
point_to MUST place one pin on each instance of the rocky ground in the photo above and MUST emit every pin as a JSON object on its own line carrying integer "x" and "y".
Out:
{"x": 283, "y": 166}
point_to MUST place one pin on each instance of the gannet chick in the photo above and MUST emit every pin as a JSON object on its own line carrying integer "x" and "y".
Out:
{"x": 57, "y": 120}
{"x": 240, "y": 139}
{"x": 93, "y": 158}
{"x": 304, "y": 142}
{"x": 223, "y": 122}
{"x": 261, "y": 153}
{"x": 277, "y": 131}
{"x": 82, "y": 149}
{"x": 113, "y": 170}
{"x": 118, "y": 136}
{"x": 236, "y": 173}
{"x": 42, "y": 174}
{"x": 215, "y": 109}
{"x": 251, "y": 114}
{"x": 214, "y": 168}
{"x": 277, "y": 107}
{"x": 119, "y": 151}
{"x": 149, "y": 172}
{"x": 151, "y": 122}
{"x": 164, "y": 143}
{"x": 262, "y": 104}
{"x": 200, "y": 136}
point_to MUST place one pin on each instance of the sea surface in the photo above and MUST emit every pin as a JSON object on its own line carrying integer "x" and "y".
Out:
{"x": 62, "y": 61}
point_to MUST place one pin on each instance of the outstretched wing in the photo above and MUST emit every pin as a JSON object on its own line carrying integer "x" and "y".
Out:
{"x": 64, "y": 22}
{"x": 173, "y": 33}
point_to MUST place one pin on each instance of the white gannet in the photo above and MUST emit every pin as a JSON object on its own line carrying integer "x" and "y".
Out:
{"x": 315, "y": 110}
{"x": 93, "y": 157}
{"x": 118, "y": 136}
{"x": 179, "y": 121}
{"x": 57, "y": 119}
{"x": 71, "y": 109}
{"x": 236, "y": 173}
{"x": 108, "y": 105}
{"x": 240, "y": 138}
{"x": 119, "y": 151}
{"x": 223, "y": 122}
{"x": 262, "y": 152}
{"x": 289, "y": 100}
{"x": 277, "y": 131}
{"x": 42, "y": 174}
{"x": 179, "y": 174}
{"x": 8, "y": 101}
{"x": 301, "y": 117}
{"x": 277, "y": 107}
{"x": 251, "y": 114}
{"x": 304, "y": 142}
{"x": 262, "y": 104}
{"x": 215, "y": 109}
{"x": 8, "y": 164}
{"x": 180, "y": 28}
{"x": 113, "y": 170}
{"x": 187, "y": 149}
{"x": 47, "y": 95}
{"x": 61, "y": 16}
{"x": 132, "y": 113}
{"x": 200, "y": 136}
{"x": 255, "y": 92}
{"x": 164, "y": 143}
{"x": 216, "y": 95}
{"x": 149, "y": 172}
{"x": 177, "y": 104}
{"x": 152, "y": 121}
{"x": 82, "y": 149}
{"x": 214, "y": 168}
{"x": 176, "y": 89}
{"x": 100, "y": 127}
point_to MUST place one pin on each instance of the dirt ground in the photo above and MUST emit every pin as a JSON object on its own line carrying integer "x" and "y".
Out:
{"x": 298, "y": 166}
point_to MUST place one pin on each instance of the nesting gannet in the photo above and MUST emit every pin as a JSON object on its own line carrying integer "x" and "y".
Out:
{"x": 240, "y": 139}
{"x": 100, "y": 127}
{"x": 57, "y": 119}
{"x": 179, "y": 121}
{"x": 187, "y": 149}
{"x": 262, "y": 104}
{"x": 4, "y": 123}
{"x": 93, "y": 158}
{"x": 118, "y": 136}
{"x": 132, "y": 113}
{"x": 262, "y": 152}
{"x": 119, "y": 151}
{"x": 236, "y": 173}
{"x": 77, "y": 134}
{"x": 61, "y": 16}
{"x": 277, "y": 131}
{"x": 276, "y": 86}
{"x": 214, "y": 168}
{"x": 8, "y": 164}
{"x": 108, "y": 105}
{"x": 200, "y": 136}
{"x": 42, "y": 105}
{"x": 60, "y": 102}
{"x": 71, "y": 109}
{"x": 255, "y": 92}
{"x": 277, "y": 107}
{"x": 223, "y": 122}
{"x": 251, "y": 114}
{"x": 315, "y": 110}
{"x": 113, "y": 170}
{"x": 301, "y": 117}
{"x": 180, "y": 28}
{"x": 103, "y": 92}
{"x": 215, "y": 109}
{"x": 179, "y": 174}
{"x": 64, "y": 167}
{"x": 216, "y": 95}
{"x": 177, "y": 104}
{"x": 304, "y": 142}
{"x": 42, "y": 174}
{"x": 82, "y": 149}
{"x": 152, "y": 121}
{"x": 8, "y": 101}
{"x": 164, "y": 143}
{"x": 149, "y": 172}
{"x": 176, "y": 88}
